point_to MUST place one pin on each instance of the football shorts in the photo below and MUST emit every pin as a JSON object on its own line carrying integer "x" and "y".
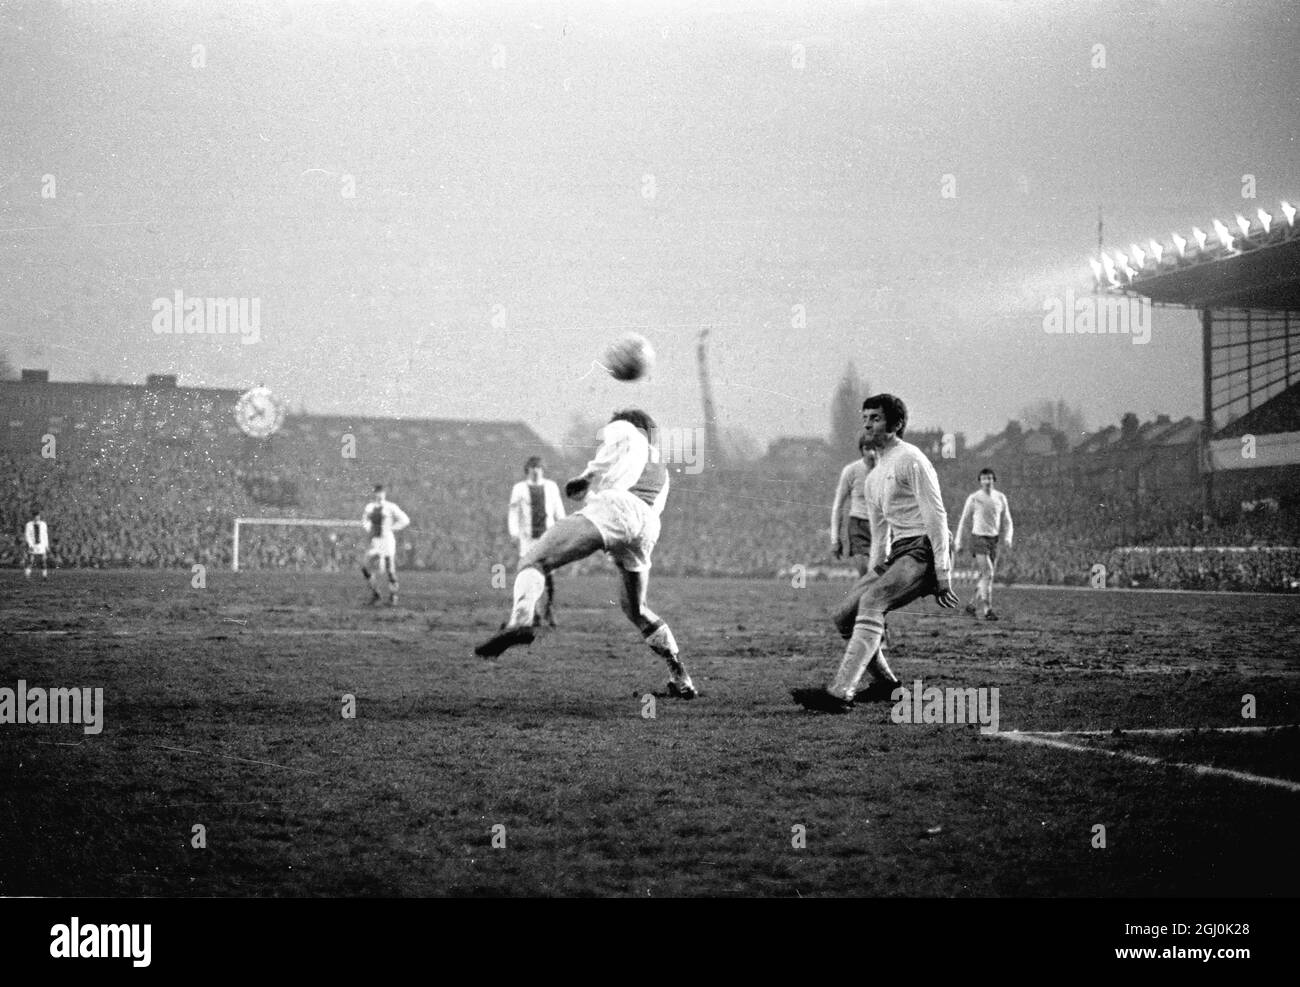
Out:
{"x": 927, "y": 581}
{"x": 384, "y": 547}
{"x": 627, "y": 525}
{"x": 859, "y": 536}
{"x": 985, "y": 545}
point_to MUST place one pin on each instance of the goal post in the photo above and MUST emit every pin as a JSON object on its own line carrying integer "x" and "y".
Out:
{"x": 305, "y": 522}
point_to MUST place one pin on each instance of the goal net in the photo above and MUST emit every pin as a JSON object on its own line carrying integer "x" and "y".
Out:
{"x": 321, "y": 544}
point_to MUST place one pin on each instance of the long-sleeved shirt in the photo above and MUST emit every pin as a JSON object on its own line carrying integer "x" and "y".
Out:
{"x": 524, "y": 511}
{"x": 627, "y": 461}
{"x": 989, "y": 515}
{"x": 852, "y": 487}
{"x": 903, "y": 500}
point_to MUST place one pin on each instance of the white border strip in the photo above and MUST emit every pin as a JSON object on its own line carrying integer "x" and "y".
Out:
{"x": 1200, "y": 769}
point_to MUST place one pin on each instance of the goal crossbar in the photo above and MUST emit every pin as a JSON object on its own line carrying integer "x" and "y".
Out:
{"x": 311, "y": 522}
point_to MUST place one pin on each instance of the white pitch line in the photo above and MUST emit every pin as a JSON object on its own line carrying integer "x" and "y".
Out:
{"x": 1200, "y": 769}
{"x": 1119, "y": 731}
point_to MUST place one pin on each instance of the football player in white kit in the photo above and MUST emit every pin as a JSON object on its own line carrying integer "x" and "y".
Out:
{"x": 37, "y": 535}
{"x": 625, "y": 487}
{"x": 989, "y": 516}
{"x": 535, "y": 506}
{"x": 382, "y": 518}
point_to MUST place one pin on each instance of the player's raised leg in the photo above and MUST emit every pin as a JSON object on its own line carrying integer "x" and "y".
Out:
{"x": 901, "y": 583}
{"x": 568, "y": 540}
{"x": 906, "y": 579}
{"x": 658, "y": 635}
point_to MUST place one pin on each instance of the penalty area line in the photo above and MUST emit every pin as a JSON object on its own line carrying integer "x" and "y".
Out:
{"x": 1199, "y": 769}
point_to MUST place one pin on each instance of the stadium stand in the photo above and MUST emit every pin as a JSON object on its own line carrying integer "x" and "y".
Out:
{"x": 154, "y": 476}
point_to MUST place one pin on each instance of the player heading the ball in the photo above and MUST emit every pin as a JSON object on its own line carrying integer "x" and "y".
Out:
{"x": 382, "y": 518}
{"x": 624, "y": 489}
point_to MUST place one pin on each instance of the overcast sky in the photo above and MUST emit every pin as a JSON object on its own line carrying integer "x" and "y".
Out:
{"x": 447, "y": 210}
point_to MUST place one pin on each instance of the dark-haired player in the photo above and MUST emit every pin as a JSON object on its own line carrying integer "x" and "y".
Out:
{"x": 535, "y": 506}
{"x": 382, "y": 518}
{"x": 623, "y": 489}
{"x": 990, "y": 521}
{"x": 904, "y": 504}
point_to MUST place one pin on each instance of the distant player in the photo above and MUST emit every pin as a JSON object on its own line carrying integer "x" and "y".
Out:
{"x": 990, "y": 518}
{"x": 853, "y": 488}
{"x": 382, "y": 519}
{"x": 903, "y": 503}
{"x": 535, "y": 505}
{"x": 625, "y": 487}
{"x": 37, "y": 535}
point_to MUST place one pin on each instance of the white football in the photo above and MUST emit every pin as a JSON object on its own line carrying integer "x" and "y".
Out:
{"x": 629, "y": 357}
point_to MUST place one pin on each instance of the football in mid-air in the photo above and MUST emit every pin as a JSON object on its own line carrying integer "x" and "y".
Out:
{"x": 629, "y": 357}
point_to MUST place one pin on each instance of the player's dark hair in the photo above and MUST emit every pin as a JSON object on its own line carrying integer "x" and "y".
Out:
{"x": 895, "y": 411}
{"x": 378, "y": 487}
{"x": 988, "y": 471}
{"x": 637, "y": 418}
{"x": 531, "y": 462}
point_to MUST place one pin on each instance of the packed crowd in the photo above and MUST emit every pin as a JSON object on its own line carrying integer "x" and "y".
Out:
{"x": 132, "y": 502}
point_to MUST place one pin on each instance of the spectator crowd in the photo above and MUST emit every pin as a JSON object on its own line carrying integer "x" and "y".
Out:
{"x": 129, "y": 500}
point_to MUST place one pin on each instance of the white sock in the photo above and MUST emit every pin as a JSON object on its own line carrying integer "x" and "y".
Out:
{"x": 879, "y": 667}
{"x": 662, "y": 643}
{"x": 529, "y": 586}
{"x": 868, "y": 629}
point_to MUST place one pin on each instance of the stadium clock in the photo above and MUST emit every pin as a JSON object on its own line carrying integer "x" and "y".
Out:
{"x": 258, "y": 413}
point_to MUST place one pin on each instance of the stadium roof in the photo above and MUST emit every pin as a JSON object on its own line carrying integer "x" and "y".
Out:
{"x": 1268, "y": 278}
{"x": 1255, "y": 264}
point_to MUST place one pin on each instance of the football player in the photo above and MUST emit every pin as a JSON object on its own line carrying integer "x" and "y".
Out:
{"x": 535, "y": 506}
{"x": 852, "y": 488}
{"x": 990, "y": 520}
{"x": 623, "y": 490}
{"x": 903, "y": 503}
{"x": 37, "y": 535}
{"x": 382, "y": 519}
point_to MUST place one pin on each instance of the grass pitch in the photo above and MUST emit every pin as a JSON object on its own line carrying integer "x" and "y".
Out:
{"x": 223, "y": 710}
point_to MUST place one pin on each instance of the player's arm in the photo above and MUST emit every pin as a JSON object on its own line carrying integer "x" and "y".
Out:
{"x": 842, "y": 491}
{"x": 400, "y": 520}
{"x": 925, "y": 484}
{"x": 512, "y": 513}
{"x": 1008, "y": 528}
{"x": 966, "y": 515}
{"x": 879, "y": 534}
